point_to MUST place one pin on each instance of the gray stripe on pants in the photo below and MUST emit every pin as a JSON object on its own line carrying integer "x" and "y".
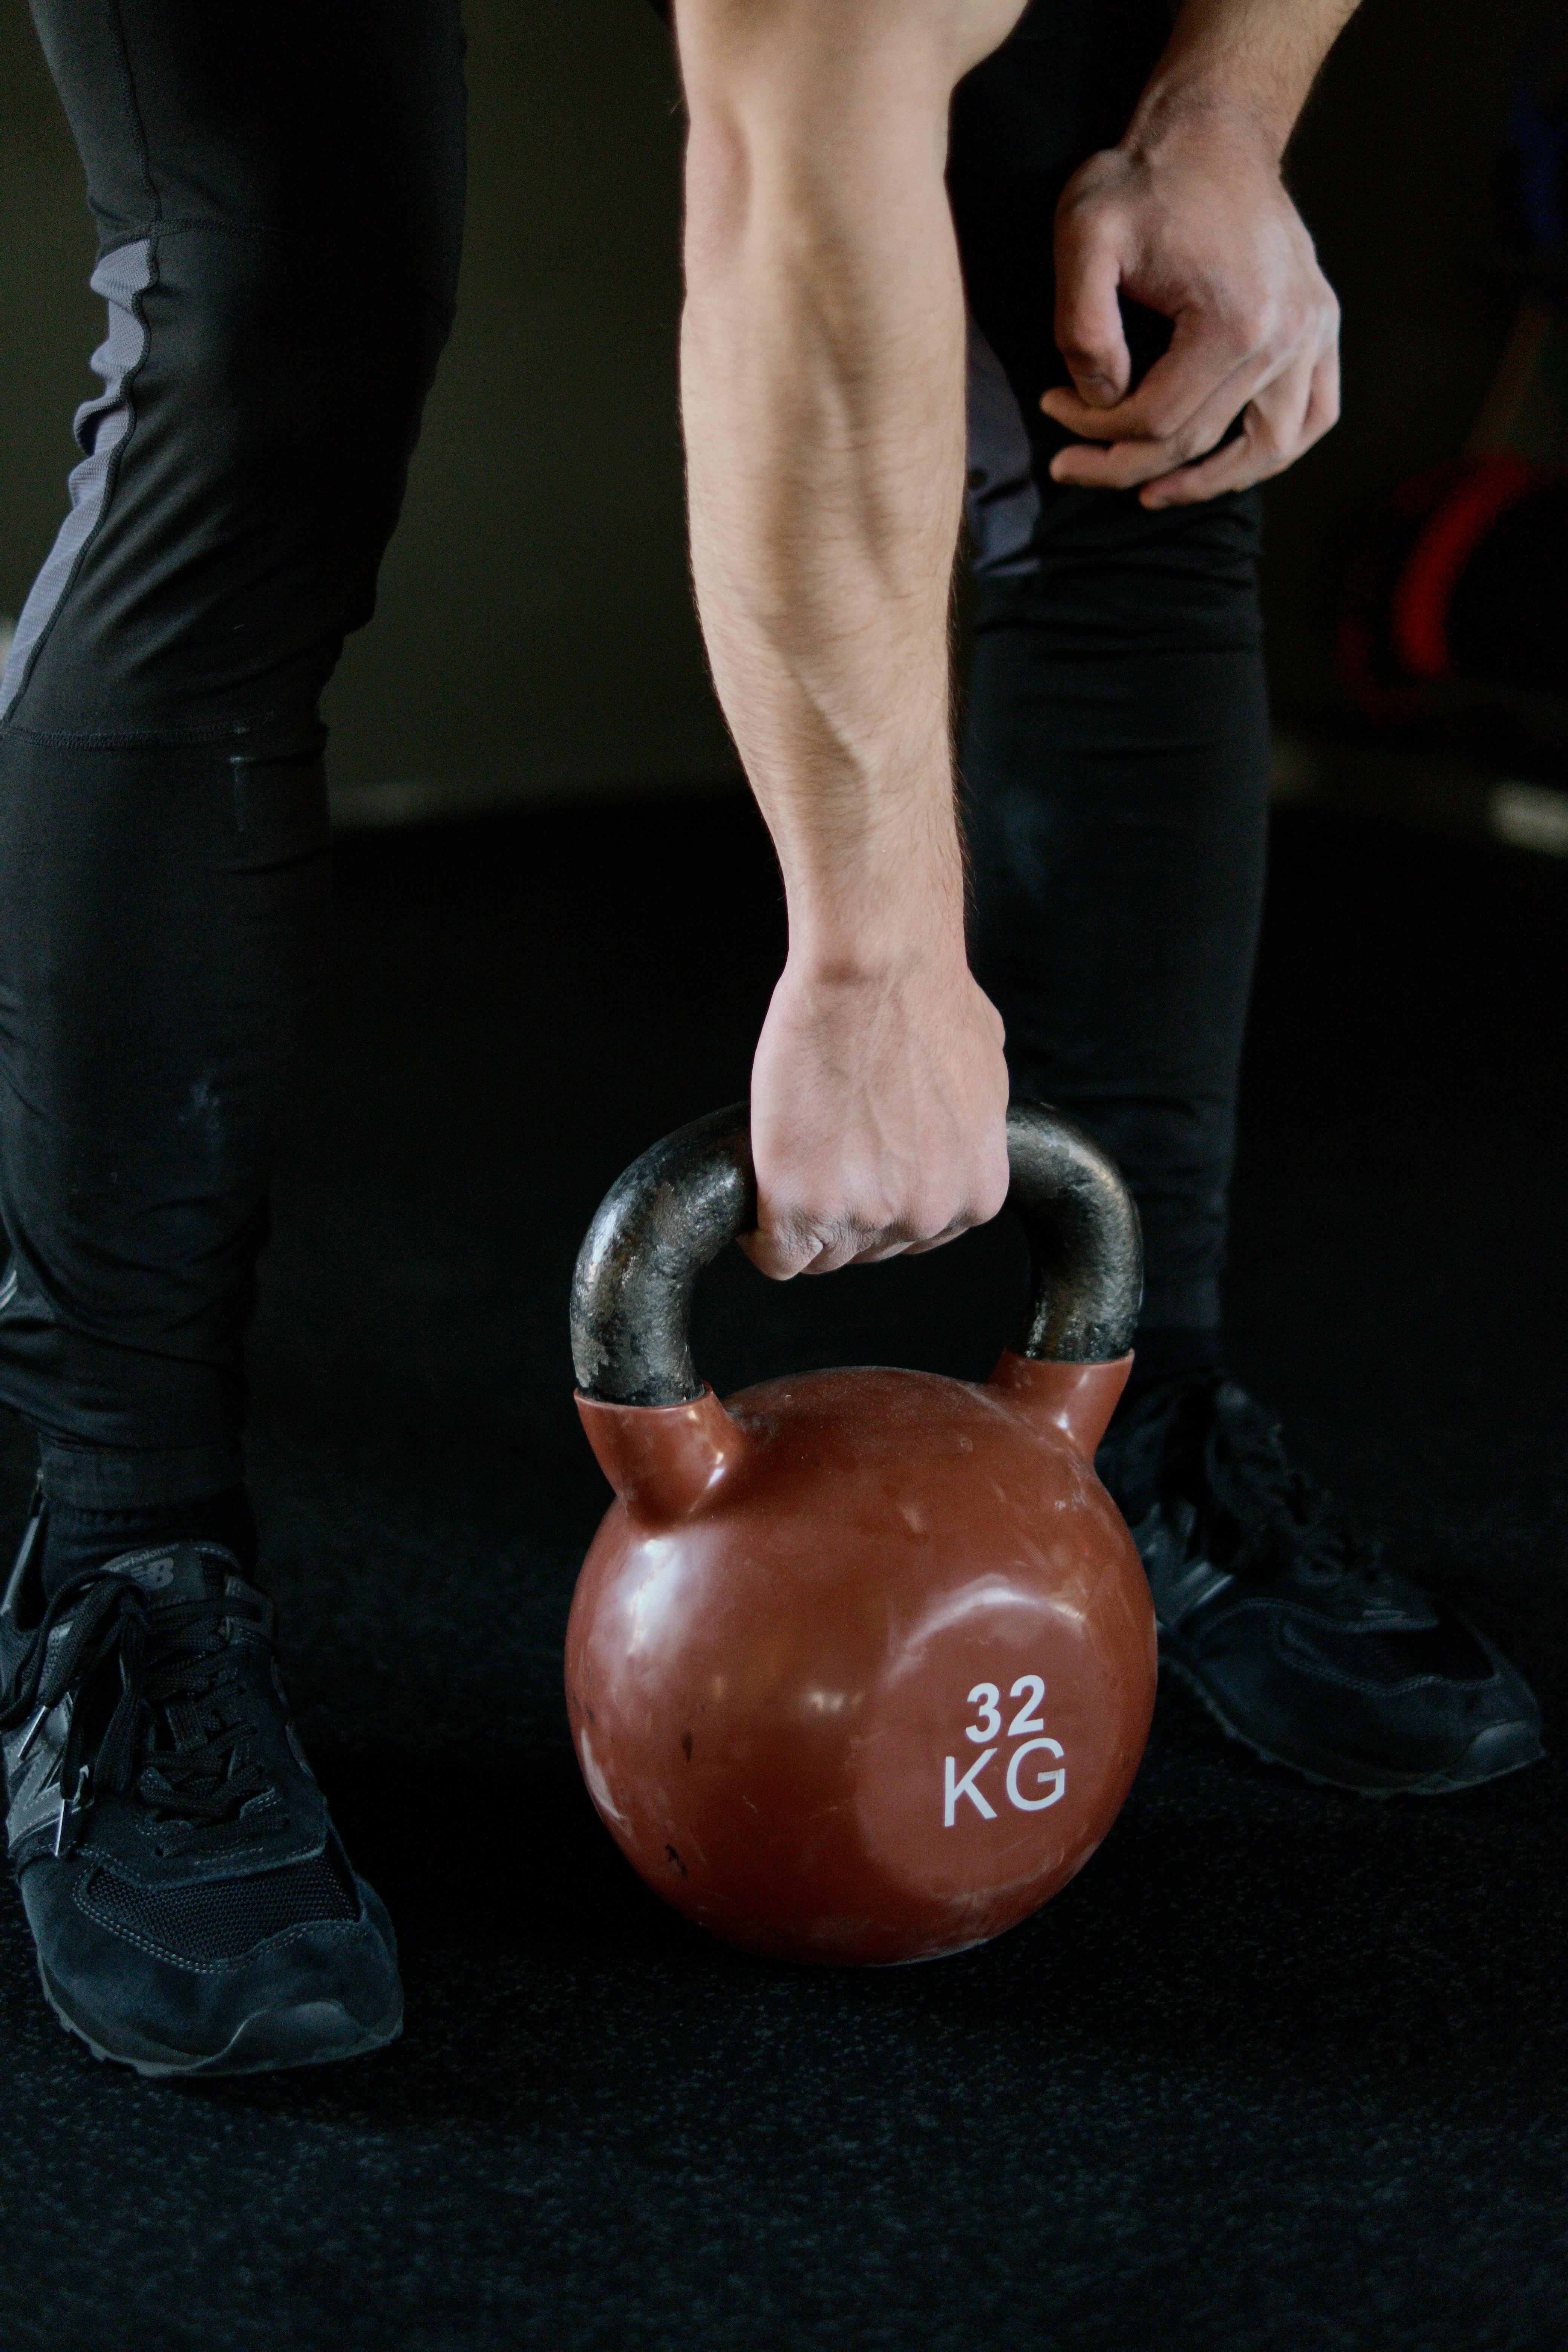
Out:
{"x": 101, "y": 426}
{"x": 1003, "y": 499}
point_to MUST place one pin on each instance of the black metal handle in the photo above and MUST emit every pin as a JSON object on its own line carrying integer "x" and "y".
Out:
{"x": 674, "y": 1209}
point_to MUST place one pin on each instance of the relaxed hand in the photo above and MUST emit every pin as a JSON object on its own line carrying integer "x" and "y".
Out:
{"x": 1199, "y": 227}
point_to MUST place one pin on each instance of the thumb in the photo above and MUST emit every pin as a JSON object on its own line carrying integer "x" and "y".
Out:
{"x": 1088, "y": 329}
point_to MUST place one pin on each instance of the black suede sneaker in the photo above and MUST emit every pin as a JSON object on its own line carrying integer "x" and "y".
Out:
{"x": 1286, "y": 1623}
{"x": 193, "y": 1909}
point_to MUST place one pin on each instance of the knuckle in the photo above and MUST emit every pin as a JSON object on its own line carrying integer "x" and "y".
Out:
{"x": 993, "y": 1197}
{"x": 1081, "y": 208}
{"x": 1261, "y": 322}
{"x": 1162, "y": 419}
{"x": 926, "y": 1214}
{"x": 789, "y": 1255}
{"x": 793, "y": 1238}
{"x": 1086, "y": 354}
{"x": 1191, "y": 442}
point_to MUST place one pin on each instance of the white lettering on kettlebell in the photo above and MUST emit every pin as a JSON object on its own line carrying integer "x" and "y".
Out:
{"x": 1028, "y": 1728}
{"x": 1031, "y": 1689}
{"x": 1057, "y": 1777}
{"x": 987, "y": 1698}
{"x": 966, "y": 1788}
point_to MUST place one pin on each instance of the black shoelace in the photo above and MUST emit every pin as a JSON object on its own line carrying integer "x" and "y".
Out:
{"x": 177, "y": 1732}
{"x": 1270, "y": 1501}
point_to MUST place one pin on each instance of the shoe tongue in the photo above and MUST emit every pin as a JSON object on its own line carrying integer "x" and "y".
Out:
{"x": 180, "y": 1571}
{"x": 1245, "y": 1447}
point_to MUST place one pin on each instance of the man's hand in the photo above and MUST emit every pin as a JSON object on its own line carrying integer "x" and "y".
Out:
{"x": 1196, "y": 225}
{"x": 878, "y": 1115}
{"x": 1189, "y": 216}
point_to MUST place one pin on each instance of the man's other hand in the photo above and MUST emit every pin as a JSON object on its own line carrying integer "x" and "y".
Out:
{"x": 1195, "y": 224}
{"x": 878, "y": 1115}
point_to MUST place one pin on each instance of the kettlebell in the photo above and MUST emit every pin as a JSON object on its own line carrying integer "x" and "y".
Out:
{"x": 860, "y": 1663}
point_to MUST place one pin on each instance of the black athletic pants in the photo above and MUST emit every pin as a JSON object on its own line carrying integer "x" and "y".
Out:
{"x": 1116, "y": 754}
{"x": 278, "y": 185}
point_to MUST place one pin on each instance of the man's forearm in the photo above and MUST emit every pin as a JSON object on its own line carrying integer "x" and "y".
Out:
{"x": 821, "y": 394}
{"x": 1255, "y": 60}
{"x": 822, "y": 384}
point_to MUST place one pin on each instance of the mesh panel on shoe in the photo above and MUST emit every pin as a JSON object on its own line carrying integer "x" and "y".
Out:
{"x": 226, "y": 1917}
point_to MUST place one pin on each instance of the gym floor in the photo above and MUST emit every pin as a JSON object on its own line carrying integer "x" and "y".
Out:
{"x": 1283, "y": 2068}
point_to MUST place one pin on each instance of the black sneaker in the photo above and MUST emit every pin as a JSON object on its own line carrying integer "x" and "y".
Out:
{"x": 1288, "y": 1624}
{"x": 193, "y": 1910}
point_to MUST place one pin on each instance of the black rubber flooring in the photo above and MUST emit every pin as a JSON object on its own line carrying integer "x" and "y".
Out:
{"x": 1282, "y": 2069}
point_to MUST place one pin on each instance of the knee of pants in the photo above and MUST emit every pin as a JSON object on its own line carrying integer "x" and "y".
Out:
{"x": 1099, "y": 576}
{"x": 242, "y": 471}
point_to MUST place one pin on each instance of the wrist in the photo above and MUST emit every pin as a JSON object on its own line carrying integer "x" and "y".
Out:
{"x": 875, "y": 946}
{"x": 874, "y": 956}
{"x": 874, "y": 906}
{"x": 1239, "y": 70}
{"x": 1179, "y": 112}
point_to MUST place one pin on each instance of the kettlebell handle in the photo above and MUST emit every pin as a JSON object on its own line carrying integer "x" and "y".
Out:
{"x": 676, "y": 1208}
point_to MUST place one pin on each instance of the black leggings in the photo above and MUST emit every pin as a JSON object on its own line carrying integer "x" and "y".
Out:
{"x": 1116, "y": 753}
{"x": 279, "y": 190}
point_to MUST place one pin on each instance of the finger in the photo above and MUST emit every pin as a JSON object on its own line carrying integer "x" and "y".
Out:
{"x": 782, "y": 1247}
{"x": 1273, "y": 436}
{"x": 1252, "y": 457}
{"x": 1323, "y": 408}
{"x": 1129, "y": 464}
{"x": 874, "y": 1255}
{"x": 963, "y": 1223}
{"x": 825, "y": 1246}
{"x": 1202, "y": 372}
{"x": 833, "y": 1258}
{"x": 1088, "y": 329}
{"x": 1277, "y": 392}
{"x": 779, "y": 1264}
{"x": 919, "y": 1249}
{"x": 853, "y": 1245}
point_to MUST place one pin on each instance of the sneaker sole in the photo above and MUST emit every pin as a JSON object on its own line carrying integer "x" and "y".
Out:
{"x": 317, "y": 2034}
{"x": 1492, "y": 1755}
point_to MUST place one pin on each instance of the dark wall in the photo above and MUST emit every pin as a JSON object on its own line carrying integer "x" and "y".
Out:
{"x": 534, "y": 622}
{"x": 1398, "y": 168}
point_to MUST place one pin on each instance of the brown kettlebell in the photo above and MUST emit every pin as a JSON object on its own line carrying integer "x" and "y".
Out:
{"x": 860, "y": 1664}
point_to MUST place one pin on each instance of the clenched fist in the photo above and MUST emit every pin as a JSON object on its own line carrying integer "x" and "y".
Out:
{"x": 878, "y": 1115}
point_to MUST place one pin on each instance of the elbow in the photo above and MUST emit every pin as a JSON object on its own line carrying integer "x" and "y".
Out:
{"x": 800, "y": 109}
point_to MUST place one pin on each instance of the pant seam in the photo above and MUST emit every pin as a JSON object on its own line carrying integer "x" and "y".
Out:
{"x": 215, "y": 731}
{"x": 116, "y": 19}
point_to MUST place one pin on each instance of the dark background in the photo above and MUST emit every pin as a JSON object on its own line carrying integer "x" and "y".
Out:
{"x": 534, "y": 630}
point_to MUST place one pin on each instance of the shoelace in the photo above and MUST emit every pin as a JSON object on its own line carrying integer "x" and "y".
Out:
{"x": 176, "y": 1672}
{"x": 1250, "y": 1473}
